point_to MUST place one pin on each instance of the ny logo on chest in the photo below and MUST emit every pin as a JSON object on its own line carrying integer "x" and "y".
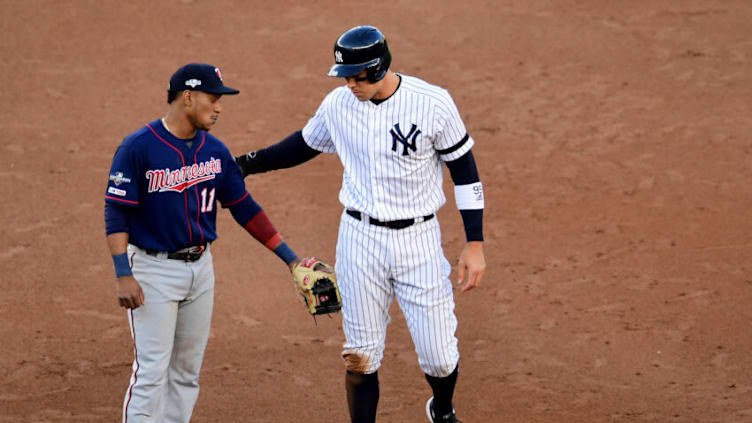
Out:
{"x": 407, "y": 141}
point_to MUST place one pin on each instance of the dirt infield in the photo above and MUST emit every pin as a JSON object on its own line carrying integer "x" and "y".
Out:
{"x": 613, "y": 139}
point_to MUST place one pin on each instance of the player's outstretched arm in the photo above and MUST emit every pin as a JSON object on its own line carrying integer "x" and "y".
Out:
{"x": 287, "y": 153}
{"x": 314, "y": 279}
{"x": 249, "y": 214}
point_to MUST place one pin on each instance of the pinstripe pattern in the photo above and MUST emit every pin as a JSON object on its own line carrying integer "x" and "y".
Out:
{"x": 375, "y": 265}
{"x": 380, "y": 182}
{"x": 424, "y": 293}
{"x": 362, "y": 263}
{"x": 388, "y": 177}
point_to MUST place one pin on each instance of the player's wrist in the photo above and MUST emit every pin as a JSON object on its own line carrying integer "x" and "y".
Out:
{"x": 286, "y": 253}
{"x": 122, "y": 265}
{"x": 475, "y": 245}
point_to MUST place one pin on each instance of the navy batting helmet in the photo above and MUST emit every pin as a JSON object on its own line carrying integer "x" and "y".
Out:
{"x": 361, "y": 48}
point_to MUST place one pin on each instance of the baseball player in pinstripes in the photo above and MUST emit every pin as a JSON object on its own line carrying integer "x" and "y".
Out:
{"x": 160, "y": 214}
{"x": 393, "y": 133}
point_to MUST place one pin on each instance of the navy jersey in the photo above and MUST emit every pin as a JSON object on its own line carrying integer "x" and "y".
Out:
{"x": 173, "y": 189}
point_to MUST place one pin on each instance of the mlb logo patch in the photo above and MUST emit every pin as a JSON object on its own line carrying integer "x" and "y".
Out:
{"x": 115, "y": 191}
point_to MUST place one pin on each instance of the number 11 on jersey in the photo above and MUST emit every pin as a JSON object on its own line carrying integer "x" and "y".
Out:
{"x": 207, "y": 206}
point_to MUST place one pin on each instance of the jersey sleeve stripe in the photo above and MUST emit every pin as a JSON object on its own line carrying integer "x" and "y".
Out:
{"x": 456, "y": 146}
{"x": 121, "y": 200}
{"x": 236, "y": 201}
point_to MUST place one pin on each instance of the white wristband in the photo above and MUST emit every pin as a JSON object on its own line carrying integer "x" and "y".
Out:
{"x": 469, "y": 197}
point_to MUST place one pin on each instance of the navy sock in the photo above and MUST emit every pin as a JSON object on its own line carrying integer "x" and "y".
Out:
{"x": 443, "y": 391}
{"x": 362, "y": 396}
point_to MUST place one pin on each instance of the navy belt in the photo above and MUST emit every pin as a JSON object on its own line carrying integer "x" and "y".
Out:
{"x": 393, "y": 224}
{"x": 186, "y": 254}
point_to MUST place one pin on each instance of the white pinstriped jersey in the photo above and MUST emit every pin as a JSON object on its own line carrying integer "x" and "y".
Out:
{"x": 392, "y": 152}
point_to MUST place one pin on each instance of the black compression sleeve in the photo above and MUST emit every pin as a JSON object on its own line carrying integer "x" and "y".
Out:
{"x": 473, "y": 222}
{"x": 289, "y": 152}
{"x": 464, "y": 171}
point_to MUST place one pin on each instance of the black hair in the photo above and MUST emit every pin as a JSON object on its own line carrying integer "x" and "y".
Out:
{"x": 171, "y": 95}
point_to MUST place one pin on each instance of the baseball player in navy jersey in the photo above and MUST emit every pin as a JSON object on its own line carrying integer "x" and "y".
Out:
{"x": 166, "y": 181}
{"x": 393, "y": 133}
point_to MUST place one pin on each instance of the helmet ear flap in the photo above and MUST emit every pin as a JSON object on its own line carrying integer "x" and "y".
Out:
{"x": 374, "y": 73}
{"x": 378, "y": 72}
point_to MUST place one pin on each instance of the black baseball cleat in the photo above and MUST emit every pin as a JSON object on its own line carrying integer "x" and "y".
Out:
{"x": 447, "y": 418}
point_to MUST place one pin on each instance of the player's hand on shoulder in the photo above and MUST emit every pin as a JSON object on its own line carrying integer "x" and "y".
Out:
{"x": 129, "y": 293}
{"x": 246, "y": 163}
{"x": 471, "y": 266}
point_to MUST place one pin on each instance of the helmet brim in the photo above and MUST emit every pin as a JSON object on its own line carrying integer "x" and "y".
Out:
{"x": 344, "y": 71}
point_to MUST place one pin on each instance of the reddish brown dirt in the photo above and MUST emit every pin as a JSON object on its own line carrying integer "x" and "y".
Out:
{"x": 612, "y": 137}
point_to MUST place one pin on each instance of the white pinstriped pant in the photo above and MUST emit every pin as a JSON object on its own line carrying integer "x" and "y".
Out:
{"x": 377, "y": 264}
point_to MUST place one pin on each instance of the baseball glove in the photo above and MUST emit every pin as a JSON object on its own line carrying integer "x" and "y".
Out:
{"x": 317, "y": 284}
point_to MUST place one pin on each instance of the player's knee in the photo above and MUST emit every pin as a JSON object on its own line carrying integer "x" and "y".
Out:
{"x": 361, "y": 362}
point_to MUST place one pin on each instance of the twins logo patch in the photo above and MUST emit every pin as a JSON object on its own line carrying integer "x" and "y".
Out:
{"x": 219, "y": 74}
{"x": 115, "y": 191}
{"x": 193, "y": 83}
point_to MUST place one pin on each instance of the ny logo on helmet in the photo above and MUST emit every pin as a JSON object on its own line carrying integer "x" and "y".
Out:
{"x": 338, "y": 56}
{"x": 407, "y": 141}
